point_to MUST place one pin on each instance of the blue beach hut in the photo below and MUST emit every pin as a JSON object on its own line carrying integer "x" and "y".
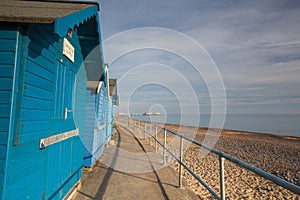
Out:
{"x": 95, "y": 126}
{"x": 113, "y": 92}
{"x": 44, "y": 69}
{"x": 113, "y": 101}
{"x": 101, "y": 99}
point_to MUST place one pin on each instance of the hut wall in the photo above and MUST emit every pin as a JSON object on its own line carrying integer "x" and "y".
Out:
{"x": 110, "y": 112}
{"x": 8, "y": 43}
{"x": 90, "y": 127}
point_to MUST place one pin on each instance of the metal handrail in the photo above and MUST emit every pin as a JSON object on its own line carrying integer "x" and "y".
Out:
{"x": 288, "y": 185}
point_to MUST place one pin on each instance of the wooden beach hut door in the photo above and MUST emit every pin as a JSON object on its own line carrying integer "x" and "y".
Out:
{"x": 63, "y": 120}
{"x": 60, "y": 155}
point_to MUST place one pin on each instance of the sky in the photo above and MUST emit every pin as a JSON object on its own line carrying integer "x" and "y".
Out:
{"x": 239, "y": 57}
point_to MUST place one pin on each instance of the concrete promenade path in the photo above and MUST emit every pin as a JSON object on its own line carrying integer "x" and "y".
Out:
{"x": 130, "y": 169}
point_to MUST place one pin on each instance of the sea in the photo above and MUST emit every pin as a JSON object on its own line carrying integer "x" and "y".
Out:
{"x": 279, "y": 124}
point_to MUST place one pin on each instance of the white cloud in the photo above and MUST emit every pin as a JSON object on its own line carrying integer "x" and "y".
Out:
{"x": 255, "y": 44}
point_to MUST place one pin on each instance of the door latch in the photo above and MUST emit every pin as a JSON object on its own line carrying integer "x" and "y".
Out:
{"x": 66, "y": 112}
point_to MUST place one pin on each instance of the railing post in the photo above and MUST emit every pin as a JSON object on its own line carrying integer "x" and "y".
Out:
{"x": 155, "y": 139}
{"x": 222, "y": 184}
{"x": 145, "y": 132}
{"x": 140, "y": 128}
{"x": 180, "y": 165}
{"x": 135, "y": 126}
{"x": 165, "y": 146}
{"x": 150, "y": 130}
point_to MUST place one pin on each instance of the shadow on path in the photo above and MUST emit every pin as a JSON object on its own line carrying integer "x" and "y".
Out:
{"x": 110, "y": 170}
{"x": 104, "y": 182}
{"x": 163, "y": 191}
